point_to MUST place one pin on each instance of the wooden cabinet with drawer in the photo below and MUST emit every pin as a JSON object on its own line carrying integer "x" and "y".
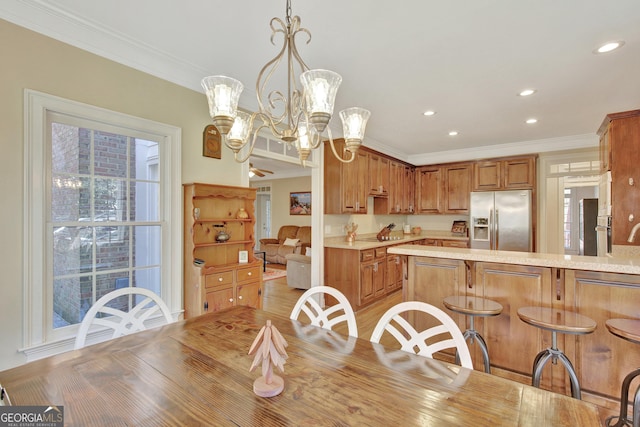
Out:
{"x": 214, "y": 277}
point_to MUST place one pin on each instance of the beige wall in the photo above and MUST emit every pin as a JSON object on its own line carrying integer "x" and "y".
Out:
{"x": 32, "y": 61}
{"x": 280, "y": 189}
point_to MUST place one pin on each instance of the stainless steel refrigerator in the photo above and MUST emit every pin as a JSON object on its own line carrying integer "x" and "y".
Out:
{"x": 501, "y": 220}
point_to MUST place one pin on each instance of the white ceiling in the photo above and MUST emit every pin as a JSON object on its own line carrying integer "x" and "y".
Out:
{"x": 467, "y": 60}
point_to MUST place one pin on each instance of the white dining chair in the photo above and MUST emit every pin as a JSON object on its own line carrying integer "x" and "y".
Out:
{"x": 410, "y": 339}
{"x": 123, "y": 322}
{"x": 328, "y": 317}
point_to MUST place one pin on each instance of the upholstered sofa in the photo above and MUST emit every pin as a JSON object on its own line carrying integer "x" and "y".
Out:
{"x": 291, "y": 239}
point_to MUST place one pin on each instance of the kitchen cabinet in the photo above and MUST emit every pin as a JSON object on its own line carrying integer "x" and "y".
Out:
{"x": 393, "y": 273}
{"x": 515, "y": 286}
{"x": 443, "y": 189}
{"x": 515, "y": 173}
{"x": 361, "y": 275}
{"x": 601, "y": 359}
{"x": 378, "y": 175}
{"x": 346, "y": 184}
{"x": 431, "y": 281}
{"x": 620, "y": 152}
{"x": 401, "y": 198}
{"x": 429, "y": 189}
{"x": 457, "y": 188}
{"x": 214, "y": 278}
{"x": 449, "y": 243}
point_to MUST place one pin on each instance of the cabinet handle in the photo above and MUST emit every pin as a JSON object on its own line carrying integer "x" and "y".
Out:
{"x": 230, "y": 299}
{"x": 206, "y": 305}
{"x": 240, "y": 297}
{"x": 219, "y": 279}
{"x": 249, "y": 274}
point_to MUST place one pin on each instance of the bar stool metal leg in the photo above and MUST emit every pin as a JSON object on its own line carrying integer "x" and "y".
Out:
{"x": 624, "y": 402}
{"x": 472, "y": 334}
{"x": 554, "y": 354}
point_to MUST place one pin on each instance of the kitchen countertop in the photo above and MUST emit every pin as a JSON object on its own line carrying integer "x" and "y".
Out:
{"x": 573, "y": 262}
{"x": 368, "y": 241}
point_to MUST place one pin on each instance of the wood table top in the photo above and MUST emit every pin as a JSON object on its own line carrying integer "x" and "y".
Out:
{"x": 196, "y": 372}
{"x": 567, "y": 322}
{"x": 468, "y": 304}
{"x": 628, "y": 329}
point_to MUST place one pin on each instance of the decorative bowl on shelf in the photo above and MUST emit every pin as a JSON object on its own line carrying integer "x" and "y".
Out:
{"x": 222, "y": 236}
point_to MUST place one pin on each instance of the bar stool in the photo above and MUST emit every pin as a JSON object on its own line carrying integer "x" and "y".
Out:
{"x": 472, "y": 307}
{"x": 628, "y": 329}
{"x": 554, "y": 320}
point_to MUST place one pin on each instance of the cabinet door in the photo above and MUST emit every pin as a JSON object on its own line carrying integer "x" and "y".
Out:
{"x": 601, "y": 359}
{"x": 605, "y": 151}
{"x": 250, "y": 294}
{"x": 393, "y": 273}
{"x": 367, "y": 291}
{"x": 625, "y": 178}
{"x": 431, "y": 280}
{"x": 487, "y": 175}
{"x": 379, "y": 269}
{"x": 519, "y": 173}
{"x": 349, "y": 187}
{"x": 362, "y": 183}
{"x": 408, "y": 190}
{"x": 219, "y": 299}
{"x": 513, "y": 286}
{"x": 428, "y": 189}
{"x": 457, "y": 188}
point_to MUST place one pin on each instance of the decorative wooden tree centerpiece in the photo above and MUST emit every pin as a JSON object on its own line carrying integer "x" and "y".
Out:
{"x": 269, "y": 347}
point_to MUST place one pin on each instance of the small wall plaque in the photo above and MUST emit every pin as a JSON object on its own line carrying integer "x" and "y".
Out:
{"x": 243, "y": 257}
{"x": 211, "y": 142}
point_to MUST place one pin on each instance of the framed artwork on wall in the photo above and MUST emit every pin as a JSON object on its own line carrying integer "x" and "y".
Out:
{"x": 211, "y": 142}
{"x": 300, "y": 203}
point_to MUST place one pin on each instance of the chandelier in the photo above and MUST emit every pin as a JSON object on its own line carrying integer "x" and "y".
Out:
{"x": 297, "y": 117}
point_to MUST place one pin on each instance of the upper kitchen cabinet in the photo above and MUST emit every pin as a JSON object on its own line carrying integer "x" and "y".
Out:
{"x": 346, "y": 184}
{"x": 378, "y": 175}
{"x": 515, "y": 173}
{"x": 443, "y": 188}
{"x": 620, "y": 152}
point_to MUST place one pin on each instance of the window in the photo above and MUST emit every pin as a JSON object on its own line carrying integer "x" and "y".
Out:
{"x": 103, "y": 195}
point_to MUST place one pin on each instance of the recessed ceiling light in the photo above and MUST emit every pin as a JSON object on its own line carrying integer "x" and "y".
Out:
{"x": 453, "y": 133}
{"x": 609, "y": 46}
{"x": 531, "y": 121}
{"x": 429, "y": 113}
{"x": 527, "y": 92}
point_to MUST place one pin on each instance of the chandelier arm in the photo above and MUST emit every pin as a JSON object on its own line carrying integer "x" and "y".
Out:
{"x": 335, "y": 153}
{"x": 251, "y": 147}
{"x": 271, "y": 66}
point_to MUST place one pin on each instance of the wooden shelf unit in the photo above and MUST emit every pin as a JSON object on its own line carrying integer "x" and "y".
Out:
{"x": 221, "y": 281}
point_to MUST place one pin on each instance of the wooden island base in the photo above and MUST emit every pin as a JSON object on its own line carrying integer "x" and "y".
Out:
{"x": 599, "y": 288}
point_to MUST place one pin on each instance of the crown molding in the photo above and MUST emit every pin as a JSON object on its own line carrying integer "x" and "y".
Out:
{"x": 573, "y": 142}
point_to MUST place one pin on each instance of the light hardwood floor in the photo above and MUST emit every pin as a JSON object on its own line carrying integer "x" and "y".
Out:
{"x": 280, "y": 299}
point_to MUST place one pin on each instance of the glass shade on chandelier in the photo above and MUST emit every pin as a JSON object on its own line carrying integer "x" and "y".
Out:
{"x": 307, "y": 111}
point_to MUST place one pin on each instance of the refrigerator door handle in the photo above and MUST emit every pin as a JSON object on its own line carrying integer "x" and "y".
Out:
{"x": 492, "y": 230}
{"x": 497, "y": 228}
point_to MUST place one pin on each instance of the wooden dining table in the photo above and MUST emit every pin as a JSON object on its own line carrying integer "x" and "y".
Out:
{"x": 196, "y": 373}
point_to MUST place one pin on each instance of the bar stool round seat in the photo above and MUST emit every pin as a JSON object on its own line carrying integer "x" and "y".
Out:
{"x": 628, "y": 329}
{"x": 564, "y": 322}
{"x": 474, "y": 307}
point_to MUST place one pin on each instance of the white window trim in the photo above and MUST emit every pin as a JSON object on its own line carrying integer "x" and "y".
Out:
{"x": 36, "y": 105}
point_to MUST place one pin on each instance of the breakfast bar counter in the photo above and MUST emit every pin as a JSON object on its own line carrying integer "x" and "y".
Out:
{"x": 597, "y": 287}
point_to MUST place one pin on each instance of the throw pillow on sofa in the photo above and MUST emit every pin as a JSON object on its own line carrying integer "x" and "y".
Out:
{"x": 290, "y": 242}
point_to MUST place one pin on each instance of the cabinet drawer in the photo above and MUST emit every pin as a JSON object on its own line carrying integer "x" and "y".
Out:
{"x": 367, "y": 255}
{"x": 380, "y": 252}
{"x": 218, "y": 279}
{"x": 455, "y": 243}
{"x": 248, "y": 274}
{"x": 431, "y": 242}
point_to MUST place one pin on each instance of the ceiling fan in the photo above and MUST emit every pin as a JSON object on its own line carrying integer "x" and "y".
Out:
{"x": 256, "y": 171}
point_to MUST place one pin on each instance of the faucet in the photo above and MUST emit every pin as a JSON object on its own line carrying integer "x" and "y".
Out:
{"x": 632, "y": 235}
